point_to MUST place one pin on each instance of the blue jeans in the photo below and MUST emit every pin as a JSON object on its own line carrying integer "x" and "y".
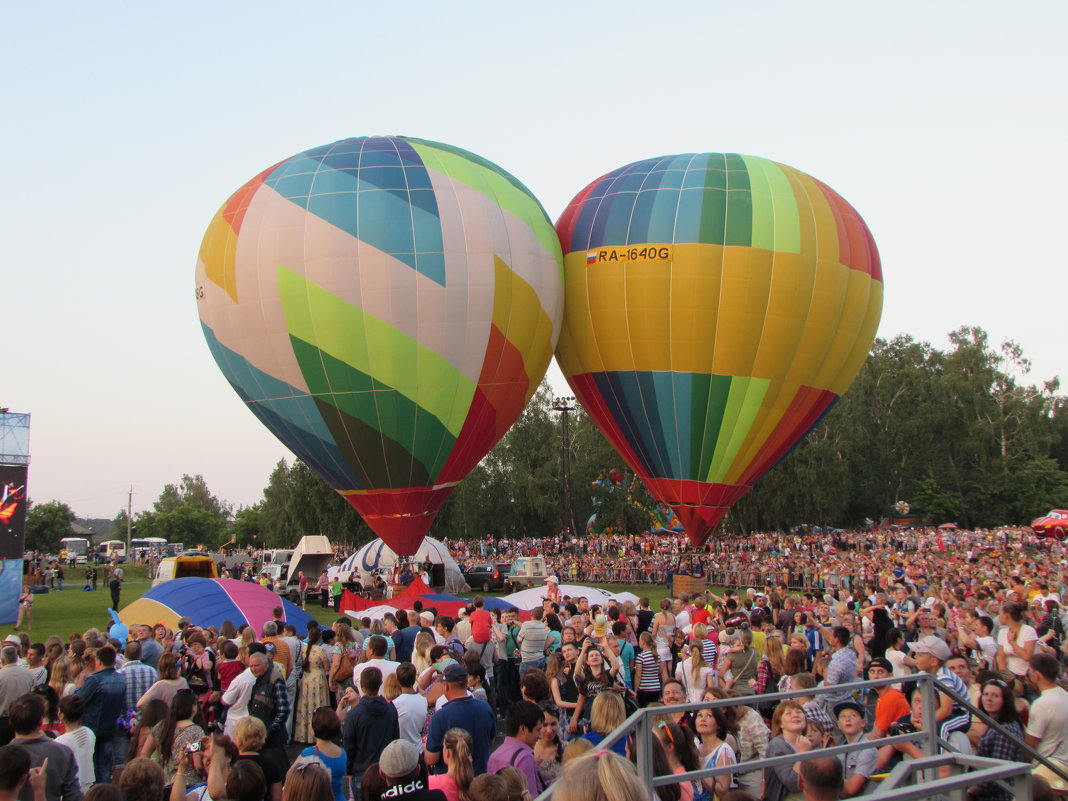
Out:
{"x": 525, "y": 666}
{"x": 102, "y": 757}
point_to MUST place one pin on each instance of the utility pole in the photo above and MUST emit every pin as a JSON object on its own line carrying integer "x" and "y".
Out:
{"x": 563, "y": 406}
{"x": 129, "y": 523}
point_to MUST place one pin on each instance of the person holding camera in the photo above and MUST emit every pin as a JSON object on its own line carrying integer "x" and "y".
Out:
{"x": 597, "y": 670}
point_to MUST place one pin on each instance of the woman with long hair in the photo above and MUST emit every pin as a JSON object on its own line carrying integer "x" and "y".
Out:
{"x": 714, "y": 750}
{"x": 563, "y": 690}
{"x": 549, "y": 749}
{"x": 154, "y": 712}
{"x": 663, "y": 635}
{"x": 345, "y": 645}
{"x": 600, "y": 776}
{"x": 695, "y": 674}
{"x": 169, "y": 739}
{"x": 630, "y": 617}
{"x": 59, "y": 677}
{"x": 456, "y": 752}
{"x": 998, "y": 701}
{"x": 681, "y": 755}
{"x": 608, "y": 713}
{"x": 421, "y": 651}
{"x": 596, "y": 671}
{"x": 314, "y": 689}
{"x": 788, "y": 726}
{"x": 326, "y": 728}
{"x": 772, "y": 664}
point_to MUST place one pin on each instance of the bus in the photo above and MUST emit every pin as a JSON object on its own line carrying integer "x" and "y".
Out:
{"x": 76, "y": 548}
{"x": 112, "y": 549}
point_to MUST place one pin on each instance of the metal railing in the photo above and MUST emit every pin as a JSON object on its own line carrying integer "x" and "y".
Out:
{"x": 965, "y": 770}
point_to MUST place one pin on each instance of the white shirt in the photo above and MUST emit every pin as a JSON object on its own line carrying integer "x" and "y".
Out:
{"x": 1048, "y": 722}
{"x": 387, "y": 666}
{"x": 1017, "y": 664}
{"x": 236, "y": 697}
{"x": 82, "y": 742}
{"x": 411, "y": 711}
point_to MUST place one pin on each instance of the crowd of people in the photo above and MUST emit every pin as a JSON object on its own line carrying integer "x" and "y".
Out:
{"x": 487, "y": 706}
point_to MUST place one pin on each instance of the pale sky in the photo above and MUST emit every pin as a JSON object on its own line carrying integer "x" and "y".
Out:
{"x": 128, "y": 124}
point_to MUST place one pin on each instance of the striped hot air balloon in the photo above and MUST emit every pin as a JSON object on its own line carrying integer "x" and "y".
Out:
{"x": 717, "y": 305}
{"x": 386, "y": 306}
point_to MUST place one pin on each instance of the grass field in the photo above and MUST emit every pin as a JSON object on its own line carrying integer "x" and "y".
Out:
{"x": 72, "y": 610}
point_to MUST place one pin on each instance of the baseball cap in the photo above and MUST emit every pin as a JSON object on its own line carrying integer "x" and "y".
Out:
{"x": 454, "y": 673}
{"x": 883, "y": 662}
{"x": 398, "y": 759}
{"x": 931, "y": 645}
{"x": 839, "y": 708}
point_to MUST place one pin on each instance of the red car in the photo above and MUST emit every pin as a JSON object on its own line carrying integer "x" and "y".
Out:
{"x": 1054, "y": 525}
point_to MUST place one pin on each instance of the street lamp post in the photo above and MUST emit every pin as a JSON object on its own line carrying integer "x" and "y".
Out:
{"x": 565, "y": 405}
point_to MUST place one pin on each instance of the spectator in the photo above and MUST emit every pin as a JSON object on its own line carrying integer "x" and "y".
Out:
{"x": 681, "y": 755}
{"x": 269, "y": 701}
{"x": 60, "y": 765}
{"x": 80, "y": 740}
{"x": 142, "y": 780}
{"x": 464, "y": 712}
{"x": 531, "y": 639}
{"x": 15, "y": 681}
{"x": 599, "y": 777}
{"x": 410, "y": 704}
{"x": 522, "y": 728}
{"x": 377, "y": 646}
{"x": 456, "y": 753}
{"x": 1016, "y": 640}
{"x": 711, "y": 726}
{"x": 169, "y": 739}
{"x": 787, "y": 729}
{"x": 326, "y": 728}
{"x": 859, "y": 766}
{"x": 820, "y": 779}
{"x": 104, "y": 693}
{"x": 250, "y": 736}
{"x": 842, "y": 668}
{"x": 370, "y": 724}
{"x": 169, "y": 683}
{"x": 150, "y": 649}
{"x": 35, "y": 664}
{"x": 997, "y": 700}
{"x": 15, "y": 773}
{"x": 399, "y": 766}
{"x": 892, "y": 703}
{"x": 154, "y": 712}
{"x": 1047, "y": 724}
{"x": 247, "y": 781}
{"x": 931, "y": 654}
{"x": 307, "y": 780}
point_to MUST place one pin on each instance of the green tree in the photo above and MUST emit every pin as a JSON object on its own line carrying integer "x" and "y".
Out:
{"x": 46, "y": 525}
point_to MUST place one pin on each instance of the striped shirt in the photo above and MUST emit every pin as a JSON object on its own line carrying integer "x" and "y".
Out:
{"x": 650, "y": 672}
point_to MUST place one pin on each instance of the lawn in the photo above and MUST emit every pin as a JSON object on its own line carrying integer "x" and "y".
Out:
{"x": 72, "y": 610}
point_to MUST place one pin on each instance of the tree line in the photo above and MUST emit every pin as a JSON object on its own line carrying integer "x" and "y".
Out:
{"x": 961, "y": 434}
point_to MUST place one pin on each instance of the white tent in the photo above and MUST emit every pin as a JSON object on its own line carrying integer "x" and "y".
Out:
{"x": 376, "y": 555}
{"x": 528, "y": 599}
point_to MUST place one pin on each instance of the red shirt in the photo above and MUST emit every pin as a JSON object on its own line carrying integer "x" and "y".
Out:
{"x": 481, "y": 625}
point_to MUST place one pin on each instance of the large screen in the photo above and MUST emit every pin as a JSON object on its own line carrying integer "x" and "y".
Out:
{"x": 12, "y": 511}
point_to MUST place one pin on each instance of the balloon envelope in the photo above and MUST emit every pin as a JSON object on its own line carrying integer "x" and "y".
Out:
{"x": 386, "y": 306}
{"x": 717, "y": 305}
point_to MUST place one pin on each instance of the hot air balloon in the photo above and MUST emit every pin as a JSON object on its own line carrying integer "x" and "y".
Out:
{"x": 385, "y": 306}
{"x": 717, "y": 305}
